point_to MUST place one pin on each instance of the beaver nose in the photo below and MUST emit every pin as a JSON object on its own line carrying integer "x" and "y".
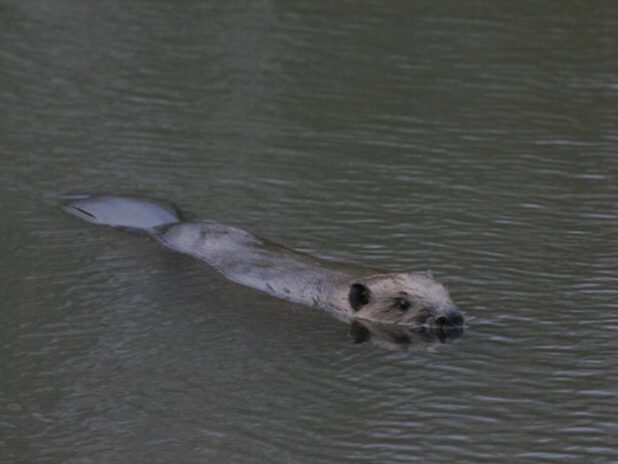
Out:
{"x": 451, "y": 319}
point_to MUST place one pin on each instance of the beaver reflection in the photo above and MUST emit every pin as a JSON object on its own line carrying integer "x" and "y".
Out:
{"x": 399, "y": 336}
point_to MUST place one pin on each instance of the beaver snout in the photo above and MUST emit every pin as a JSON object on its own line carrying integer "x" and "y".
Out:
{"x": 453, "y": 319}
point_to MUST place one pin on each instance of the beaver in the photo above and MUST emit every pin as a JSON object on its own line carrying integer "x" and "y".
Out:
{"x": 347, "y": 291}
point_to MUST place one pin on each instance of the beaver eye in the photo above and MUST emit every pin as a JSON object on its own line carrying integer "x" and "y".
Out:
{"x": 403, "y": 305}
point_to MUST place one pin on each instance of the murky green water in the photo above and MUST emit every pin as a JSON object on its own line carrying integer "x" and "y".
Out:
{"x": 477, "y": 139}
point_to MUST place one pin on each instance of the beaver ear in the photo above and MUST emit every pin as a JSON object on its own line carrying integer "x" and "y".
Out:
{"x": 359, "y": 296}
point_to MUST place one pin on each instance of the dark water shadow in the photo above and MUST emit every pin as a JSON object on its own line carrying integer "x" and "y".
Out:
{"x": 399, "y": 337}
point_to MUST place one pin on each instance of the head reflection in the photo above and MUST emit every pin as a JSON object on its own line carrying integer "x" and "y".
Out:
{"x": 395, "y": 336}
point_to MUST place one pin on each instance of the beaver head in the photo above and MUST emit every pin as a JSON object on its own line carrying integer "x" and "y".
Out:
{"x": 412, "y": 299}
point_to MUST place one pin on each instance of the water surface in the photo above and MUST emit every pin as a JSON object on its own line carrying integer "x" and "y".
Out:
{"x": 476, "y": 139}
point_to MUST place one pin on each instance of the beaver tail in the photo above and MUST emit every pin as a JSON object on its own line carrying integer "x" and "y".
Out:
{"x": 133, "y": 212}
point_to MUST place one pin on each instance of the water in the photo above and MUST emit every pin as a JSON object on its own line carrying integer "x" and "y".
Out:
{"x": 476, "y": 139}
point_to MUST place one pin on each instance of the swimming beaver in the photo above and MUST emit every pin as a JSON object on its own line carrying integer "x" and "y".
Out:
{"x": 349, "y": 291}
